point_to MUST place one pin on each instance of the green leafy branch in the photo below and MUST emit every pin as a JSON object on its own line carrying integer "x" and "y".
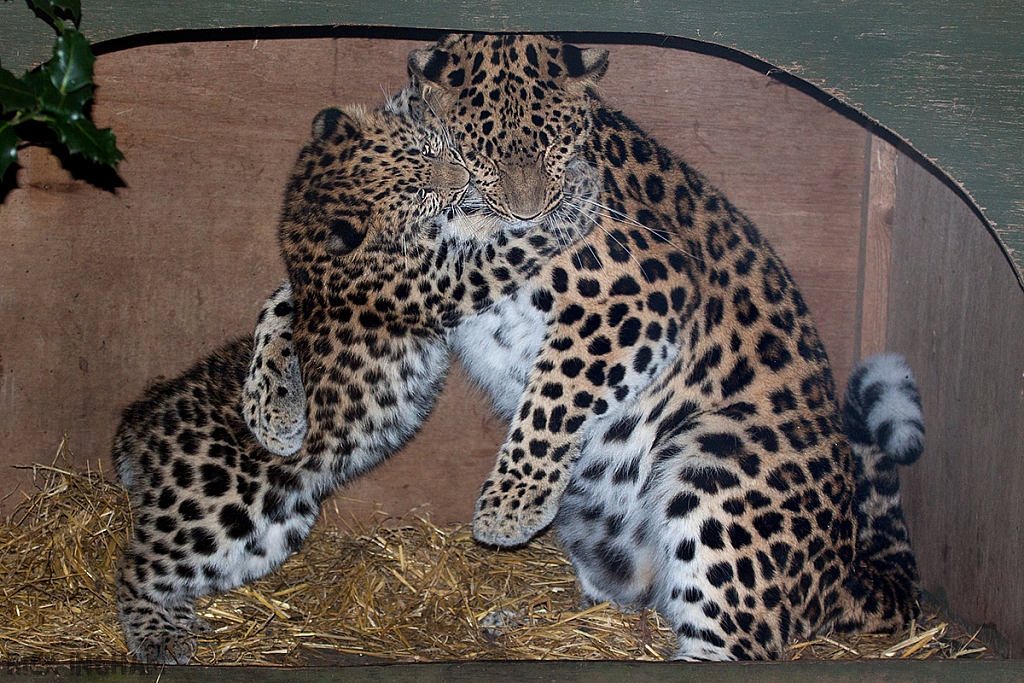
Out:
{"x": 56, "y": 93}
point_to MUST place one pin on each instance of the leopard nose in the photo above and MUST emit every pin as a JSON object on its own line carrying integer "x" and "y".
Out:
{"x": 524, "y": 186}
{"x": 461, "y": 175}
{"x": 449, "y": 176}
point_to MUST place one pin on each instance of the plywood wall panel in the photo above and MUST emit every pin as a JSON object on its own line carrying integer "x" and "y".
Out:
{"x": 957, "y": 313}
{"x": 102, "y": 291}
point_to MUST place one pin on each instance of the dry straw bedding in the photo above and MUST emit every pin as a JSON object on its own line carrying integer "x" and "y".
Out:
{"x": 411, "y": 592}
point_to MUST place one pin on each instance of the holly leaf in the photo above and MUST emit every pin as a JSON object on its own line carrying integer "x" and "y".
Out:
{"x": 74, "y": 102}
{"x": 48, "y": 99}
{"x": 58, "y": 10}
{"x": 14, "y": 94}
{"x": 38, "y": 83}
{"x": 51, "y": 100}
{"x": 8, "y": 148}
{"x": 81, "y": 136}
{"x": 56, "y": 94}
{"x": 71, "y": 65}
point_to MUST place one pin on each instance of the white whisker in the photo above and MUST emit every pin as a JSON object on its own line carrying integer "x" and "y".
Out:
{"x": 620, "y": 217}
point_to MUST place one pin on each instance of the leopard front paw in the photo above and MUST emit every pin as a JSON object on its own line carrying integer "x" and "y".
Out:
{"x": 511, "y": 514}
{"x": 273, "y": 401}
{"x": 284, "y": 415}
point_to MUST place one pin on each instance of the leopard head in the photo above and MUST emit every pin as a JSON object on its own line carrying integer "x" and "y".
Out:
{"x": 366, "y": 181}
{"x": 517, "y": 107}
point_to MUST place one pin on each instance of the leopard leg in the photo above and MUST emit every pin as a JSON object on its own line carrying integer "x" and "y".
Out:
{"x": 590, "y": 368}
{"x": 632, "y": 526}
{"x": 159, "y": 623}
{"x": 273, "y": 400}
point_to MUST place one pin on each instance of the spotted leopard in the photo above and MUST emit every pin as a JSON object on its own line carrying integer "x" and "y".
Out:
{"x": 372, "y": 288}
{"x": 673, "y": 410}
{"x": 724, "y": 491}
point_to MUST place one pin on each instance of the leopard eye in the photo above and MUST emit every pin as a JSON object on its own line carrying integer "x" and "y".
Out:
{"x": 430, "y": 149}
{"x": 422, "y": 193}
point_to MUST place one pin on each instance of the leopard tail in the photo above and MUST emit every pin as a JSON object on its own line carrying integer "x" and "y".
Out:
{"x": 883, "y": 420}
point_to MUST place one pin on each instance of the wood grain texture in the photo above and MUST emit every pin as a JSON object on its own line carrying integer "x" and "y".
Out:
{"x": 956, "y": 312}
{"x": 876, "y": 240}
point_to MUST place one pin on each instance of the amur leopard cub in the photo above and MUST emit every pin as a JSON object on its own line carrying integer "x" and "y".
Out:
{"x": 673, "y": 410}
{"x": 373, "y": 289}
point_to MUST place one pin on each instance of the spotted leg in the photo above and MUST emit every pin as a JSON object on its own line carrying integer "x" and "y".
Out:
{"x": 158, "y": 628}
{"x": 273, "y": 401}
{"x": 589, "y": 366}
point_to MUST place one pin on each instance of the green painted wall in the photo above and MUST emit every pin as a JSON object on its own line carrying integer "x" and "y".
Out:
{"x": 947, "y": 75}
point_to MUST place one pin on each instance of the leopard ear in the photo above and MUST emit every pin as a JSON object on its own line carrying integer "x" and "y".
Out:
{"x": 344, "y": 237}
{"x": 426, "y": 65}
{"x": 589, "y": 63}
{"x": 331, "y": 121}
